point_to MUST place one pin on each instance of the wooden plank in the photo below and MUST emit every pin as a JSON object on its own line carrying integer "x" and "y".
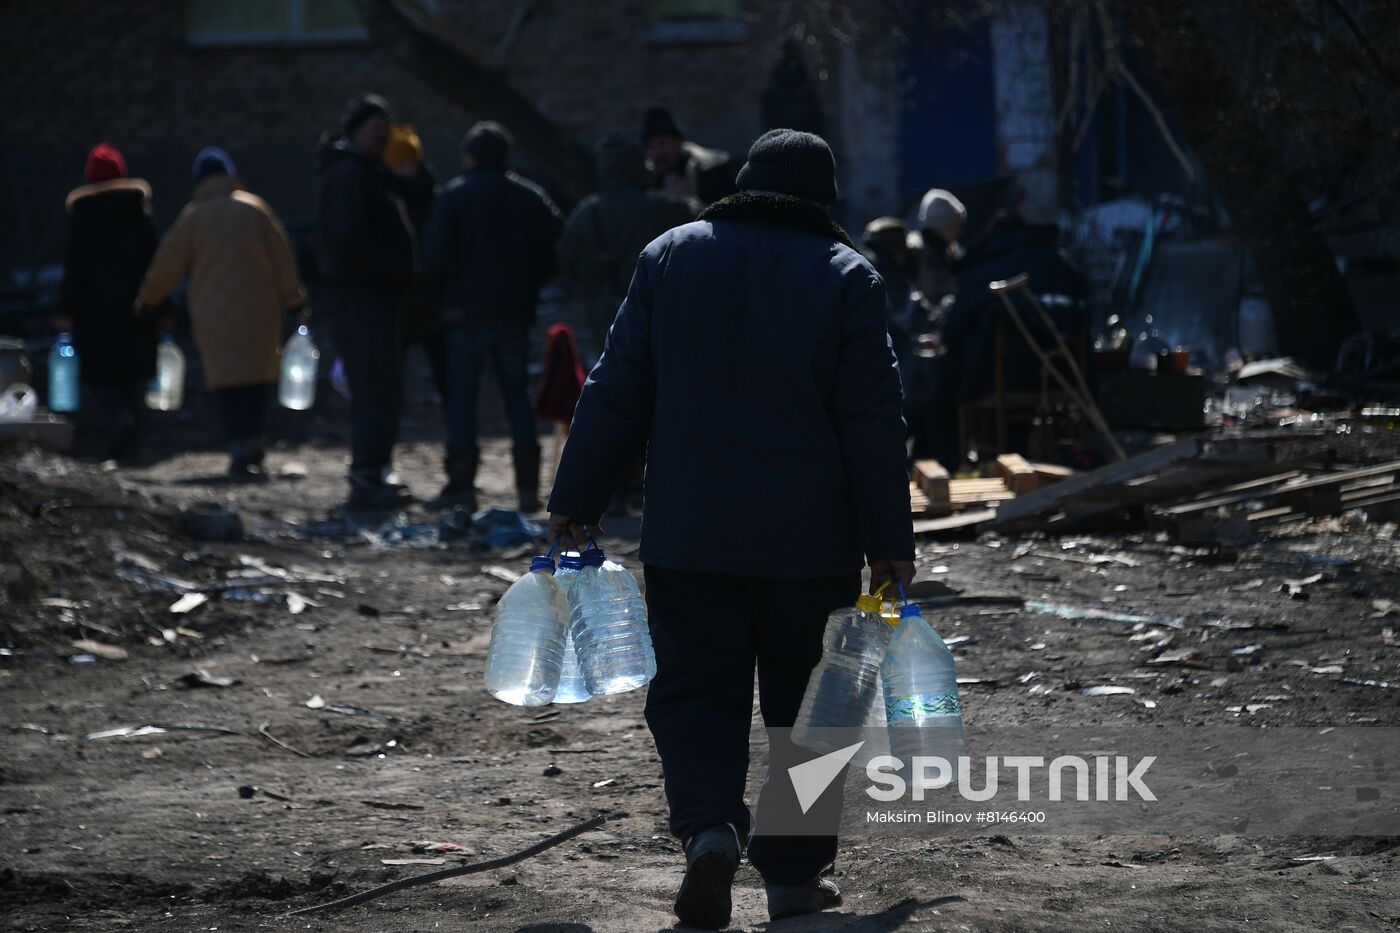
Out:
{"x": 1053, "y": 497}
{"x": 1047, "y": 473}
{"x": 1018, "y": 475}
{"x": 932, "y": 480}
{"x": 962, "y": 521}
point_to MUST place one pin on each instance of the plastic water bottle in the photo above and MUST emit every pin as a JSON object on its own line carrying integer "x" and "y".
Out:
{"x": 63, "y": 374}
{"x": 921, "y": 694}
{"x": 609, "y": 625}
{"x": 841, "y": 693}
{"x": 527, "y": 641}
{"x": 167, "y": 390}
{"x": 297, "y": 389}
{"x": 572, "y": 687}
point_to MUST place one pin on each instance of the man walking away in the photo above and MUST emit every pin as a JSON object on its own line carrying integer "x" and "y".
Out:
{"x": 680, "y": 166}
{"x": 608, "y": 230}
{"x": 367, "y": 258}
{"x": 772, "y": 477}
{"x": 243, "y": 276}
{"x": 489, "y": 247}
{"x": 415, "y": 185}
{"x": 110, "y": 242}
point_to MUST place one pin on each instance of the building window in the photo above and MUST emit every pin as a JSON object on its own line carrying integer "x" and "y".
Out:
{"x": 695, "y": 21}
{"x": 253, "y": 22}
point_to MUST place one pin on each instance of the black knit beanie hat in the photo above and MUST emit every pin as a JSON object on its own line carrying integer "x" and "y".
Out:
{"x": 791, "y": 162}
{"x": 488, "y": 142}
{"x": 658, "y": 121}
{"x": 361, "y": 108}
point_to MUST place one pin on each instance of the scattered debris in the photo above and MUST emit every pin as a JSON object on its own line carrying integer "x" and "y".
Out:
{"x": 1107, "y": 690}
{"x": 188, "y": 603}
{"x": 210, "y": 521}
{"x": 199, "y": 677}
{"x": 345, "y": 709}
{"x": 101, "y": 649}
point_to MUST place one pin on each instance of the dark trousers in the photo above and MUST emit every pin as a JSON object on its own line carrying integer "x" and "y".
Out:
{"x": 507, "y": 350}
{"x": 435, "y": 349}
{"x": 366, "y": 329}
{"x": 243, "y": 411}
{"x": 709, "y": 631}
{"x": 121, "y": 406}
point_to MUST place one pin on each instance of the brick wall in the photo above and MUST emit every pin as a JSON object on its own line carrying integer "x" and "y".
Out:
{"x": 78, "y": 72}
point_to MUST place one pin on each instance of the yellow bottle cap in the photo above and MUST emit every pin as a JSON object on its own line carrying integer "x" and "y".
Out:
{"x": 865, "y": 602}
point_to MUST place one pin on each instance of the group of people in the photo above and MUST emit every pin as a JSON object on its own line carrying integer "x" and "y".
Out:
{"x": 401, "y": 261}
{"x": 943, "y": 321}
{"x": 118, "y": 274}
{"x": 747, "y": 345}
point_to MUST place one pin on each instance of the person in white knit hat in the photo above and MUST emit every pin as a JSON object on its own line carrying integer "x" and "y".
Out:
{"x": 942, "y": 219}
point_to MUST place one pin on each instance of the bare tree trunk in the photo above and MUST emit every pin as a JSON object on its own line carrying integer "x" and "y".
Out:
{"x": 436, "y": 54}
{"x": 1313, "y": 309}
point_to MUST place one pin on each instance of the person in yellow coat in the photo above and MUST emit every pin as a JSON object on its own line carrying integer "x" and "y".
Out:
{"x": 243, "y": 276}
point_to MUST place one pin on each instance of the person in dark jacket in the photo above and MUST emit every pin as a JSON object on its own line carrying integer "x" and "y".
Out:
{"x": 683, "y": 167}
{"x": 415, "y": 185}
{"x": 752, "y": 350}
{"x": 111, "y": 240}
{"x": 608, "y": 230}
{"x": 367, "y": 262}
{"x": 489, "y": 247}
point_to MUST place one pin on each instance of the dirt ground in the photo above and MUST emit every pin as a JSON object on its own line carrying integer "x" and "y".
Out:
{"x": 408, "y": 752}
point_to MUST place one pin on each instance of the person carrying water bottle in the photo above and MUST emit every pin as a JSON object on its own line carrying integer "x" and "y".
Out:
{"x": 111, "y": 239}
{"x": 243, "y": 276}
{"x": 751, "y": 349}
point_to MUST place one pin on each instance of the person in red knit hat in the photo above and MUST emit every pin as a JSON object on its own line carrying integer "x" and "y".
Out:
{"x": 104, "y": 163}
{"x": 111, "y": 240}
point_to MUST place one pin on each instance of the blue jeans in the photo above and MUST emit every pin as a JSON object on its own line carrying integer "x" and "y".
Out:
{"x": 507, "y": 349}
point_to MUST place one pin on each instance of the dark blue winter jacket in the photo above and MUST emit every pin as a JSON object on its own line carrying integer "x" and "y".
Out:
{"x": 751, "y": 349}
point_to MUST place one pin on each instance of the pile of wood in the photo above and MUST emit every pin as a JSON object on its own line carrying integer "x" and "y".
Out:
{"x": 934, "y": 494}
{"x": 1200, "y": 491}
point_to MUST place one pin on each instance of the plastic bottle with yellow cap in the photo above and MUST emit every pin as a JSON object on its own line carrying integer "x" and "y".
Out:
{"x": 845, "y": 683}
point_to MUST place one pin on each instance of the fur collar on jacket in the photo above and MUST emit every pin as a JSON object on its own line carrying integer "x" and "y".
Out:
{"x": 215, "y": 186}
{"x": 102, "y": 187}
{"x": 783, "y": 210}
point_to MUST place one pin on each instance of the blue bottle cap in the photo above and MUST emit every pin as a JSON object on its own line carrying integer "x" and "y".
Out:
{"x": 593, "y": 557}
{"x": 570, "y": 561}
{"x": 910, "y": 609}
{"x": 541, "y": 563}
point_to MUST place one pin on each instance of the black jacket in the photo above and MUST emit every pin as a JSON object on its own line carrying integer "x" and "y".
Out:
{"x": 489, "y": 247}
{"x": 111, "y": 240}
{"x": 420, "y": 312}
{"x": 366, "y": 238}
{"x": 752, "y": 349}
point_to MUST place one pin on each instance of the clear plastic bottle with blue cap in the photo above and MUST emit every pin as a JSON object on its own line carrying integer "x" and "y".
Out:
{"x": 609, "y": 625}
{"x": 922, "y": 710}
{"x": 63, "y": 374}
{"x": 572, "y": 687}
{"x": 524, "y": 662}
{"x": 843, "y": 689}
